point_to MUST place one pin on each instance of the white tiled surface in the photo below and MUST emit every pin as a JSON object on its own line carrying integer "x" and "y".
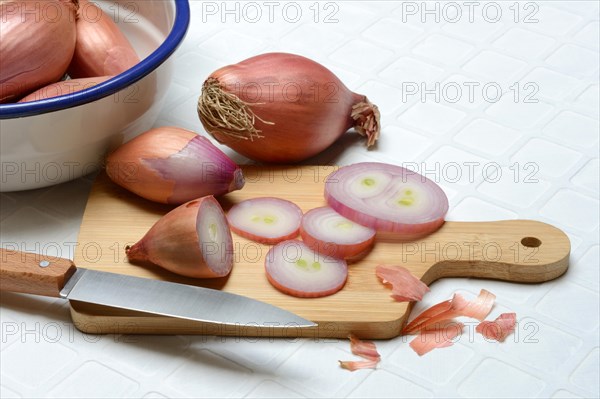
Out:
{"x": 547, "y": 152}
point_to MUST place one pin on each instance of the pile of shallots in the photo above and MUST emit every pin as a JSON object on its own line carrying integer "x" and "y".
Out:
{"x": 41, "y": 42}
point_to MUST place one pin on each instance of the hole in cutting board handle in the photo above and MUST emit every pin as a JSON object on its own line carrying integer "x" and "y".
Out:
{"x": 531, "y": 242}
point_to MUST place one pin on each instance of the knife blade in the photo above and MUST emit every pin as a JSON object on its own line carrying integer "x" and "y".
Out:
{"x": 35, "y": 274}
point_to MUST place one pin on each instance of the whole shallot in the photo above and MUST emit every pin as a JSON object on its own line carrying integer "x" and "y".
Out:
{"x": 101, "y": 48}
{"x": 62, "y": 88}
{"x": 192, "y": 240}
{"x": 37, "y": 40}
{"x": 280, "y": 107}
{"x": 173, "y": 165}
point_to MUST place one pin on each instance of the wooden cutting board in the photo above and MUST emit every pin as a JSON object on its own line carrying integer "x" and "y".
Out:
{"x": 517, "y": 250}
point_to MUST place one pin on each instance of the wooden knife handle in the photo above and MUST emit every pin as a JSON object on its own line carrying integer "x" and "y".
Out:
{"x": 33, "y": 273}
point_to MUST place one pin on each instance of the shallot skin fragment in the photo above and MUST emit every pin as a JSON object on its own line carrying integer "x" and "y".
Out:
{"x": 478, "y": 309}
{"x": 498, "y": 329}
{"x": 365, "y": 349}
{"x": 405, "y": 286}
{"x": 427, "y": 341}
{"x": 354, "y": 365}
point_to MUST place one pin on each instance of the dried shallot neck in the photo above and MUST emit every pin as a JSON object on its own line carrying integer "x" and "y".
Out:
{"x": 366, "y": 117}
{"x": 74, "y": 4}
{"x": 226, "y": 113}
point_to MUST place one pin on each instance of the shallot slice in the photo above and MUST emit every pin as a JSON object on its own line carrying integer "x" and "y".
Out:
{"x": 498, "y": 329}
{"x": 365, "y": 349}
{"x": 405, "y": 286}
{"x": 192, "y": 240}
{"x": 266, "y": 220}
{"x": 387, "y": 198}
{"x": 295, "y": 269}
{"x": 328, "y": 232}
{"x": 429, "y": 340}
{"x": 478, "y": 308}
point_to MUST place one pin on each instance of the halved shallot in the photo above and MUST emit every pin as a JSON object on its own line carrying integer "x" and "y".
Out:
{"x": 387, "y": 198}
{"x": 192, "y": 240}
{"x": 498, "y": 329}
{"x": 329, "y": 233}
{"x": 283, "y": 108}
{"x": 405, "y": 286}
{"x": 267, "y": 220}
{"x": 478, "y": 308}
{"x": 173, "y": 166}
{"x": 295, "y": 269}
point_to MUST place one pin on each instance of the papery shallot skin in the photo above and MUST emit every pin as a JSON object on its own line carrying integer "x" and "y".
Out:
{"x": 301, "y": 107}
{"x": 101, "y": 47}
{"x": 353, "y": 365}
{"x": 477, "y": 308}
{"x": 405, "y": 286}
{"x": 37, "y": 41}
{"x": 365, "y": 349}
{"x": 63, "y": 88}
{"x": 172, "y": 165}
{"x": 498, "y": 329}
{"x": 427, "y": 341}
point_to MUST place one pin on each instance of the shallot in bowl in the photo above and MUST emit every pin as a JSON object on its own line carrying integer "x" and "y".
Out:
{"x": 53, "y": 140}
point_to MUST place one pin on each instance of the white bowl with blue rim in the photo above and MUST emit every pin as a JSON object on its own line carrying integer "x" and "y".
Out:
{"x": 46, "y": 142}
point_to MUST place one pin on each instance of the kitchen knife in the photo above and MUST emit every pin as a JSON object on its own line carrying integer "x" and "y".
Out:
{"x": 56, "y": 277}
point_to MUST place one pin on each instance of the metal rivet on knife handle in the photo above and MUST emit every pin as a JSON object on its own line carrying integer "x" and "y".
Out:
{"x": 31, "y": 274}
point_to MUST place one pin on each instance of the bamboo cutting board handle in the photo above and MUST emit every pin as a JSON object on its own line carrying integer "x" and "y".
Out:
{"x": 32, "y": 273}
{"x": 524, "y": 251}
